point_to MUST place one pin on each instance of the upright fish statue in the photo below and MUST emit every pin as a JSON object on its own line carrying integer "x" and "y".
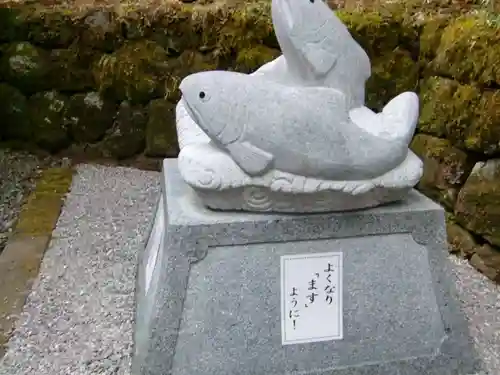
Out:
{"x": 305, "y": 131}
{"x": 318, "y": 50}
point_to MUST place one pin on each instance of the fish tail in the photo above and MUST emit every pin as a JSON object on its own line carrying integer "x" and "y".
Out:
{"x": 401, "y": 114}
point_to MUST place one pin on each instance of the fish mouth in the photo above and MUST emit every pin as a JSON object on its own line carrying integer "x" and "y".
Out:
{"x": 286, "y": 12}
{"x": 195, "y": 116}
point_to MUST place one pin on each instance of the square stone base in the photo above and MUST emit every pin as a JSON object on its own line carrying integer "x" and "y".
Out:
{"x": 208, "y": 291}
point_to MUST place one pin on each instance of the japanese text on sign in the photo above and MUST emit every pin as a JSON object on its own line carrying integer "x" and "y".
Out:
{"x": 311, "y": 298}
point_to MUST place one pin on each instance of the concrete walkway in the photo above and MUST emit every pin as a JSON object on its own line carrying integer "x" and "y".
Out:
{"x": 78, "y": 318}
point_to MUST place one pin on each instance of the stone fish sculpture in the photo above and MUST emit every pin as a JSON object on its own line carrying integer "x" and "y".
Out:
{"x": 305, "y": 131}
{"x": 318, "y": 50}
{"x": 294, "y": 135}
{"x": 311, "y": 56}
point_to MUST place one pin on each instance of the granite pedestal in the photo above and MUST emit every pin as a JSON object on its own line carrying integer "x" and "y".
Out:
{"x": 209, "y": 291}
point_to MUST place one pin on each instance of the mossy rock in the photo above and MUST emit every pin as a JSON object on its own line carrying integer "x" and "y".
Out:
{"x": 89, "y": 116}
{"x": 391, "y": 75}
{"x": 69, "y": 70}
{"x": 136, "y": 25}
{"x": 430, "y": 35}
{"x": 486, "y": 260}
{"x": 448, "y": 108}
{"x": 469, "y": 51}
{"x": 250, "y": 59}
{"x": 50, "y": 28}
{"x": 161, "y": 133}
{"x": 127, "y": 136}
{"x": 100, "y": 29}
{"x": 436, "y": 97}
{"x": 14, "y": 113}
{"x": 478, "y": 203}
{"x": 379, "y": 34}
{"x": 177, "y": 30}
{"x": 136, "y": 72}
{"x": 483, "y": 134}
{"x": 47, "y": 111}
{"x": 460, "y": 241}
{"x": 446, "y": 168}
{"x": 26, "y": 67}
{"x": 11, "y": 24}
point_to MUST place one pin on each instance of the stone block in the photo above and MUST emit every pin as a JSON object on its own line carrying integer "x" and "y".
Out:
{"x": 487, "y": 261}
{"x": 478, "y": 203}
{"x": 446, "y": 168}
{"x": 460, "y": 241}
{"x": 210, "y": 294}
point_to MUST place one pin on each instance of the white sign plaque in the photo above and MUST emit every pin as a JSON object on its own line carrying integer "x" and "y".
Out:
{"x": 311, "y": 298}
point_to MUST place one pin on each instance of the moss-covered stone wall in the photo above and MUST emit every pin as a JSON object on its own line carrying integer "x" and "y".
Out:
{"x": 459, "y": 132}
{"x": 104, "y": 83}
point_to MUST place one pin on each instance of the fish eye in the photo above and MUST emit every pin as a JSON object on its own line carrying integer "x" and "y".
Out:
{"x": 311, "y": 1}
{"x": 202, "y": 95}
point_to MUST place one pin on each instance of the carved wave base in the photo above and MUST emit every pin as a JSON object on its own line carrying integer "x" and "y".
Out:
{"x": 222, "y": 185}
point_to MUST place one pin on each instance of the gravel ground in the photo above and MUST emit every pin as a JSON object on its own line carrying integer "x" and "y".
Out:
{"x": 79, "y": 317}
{"x": 18, "y": 173}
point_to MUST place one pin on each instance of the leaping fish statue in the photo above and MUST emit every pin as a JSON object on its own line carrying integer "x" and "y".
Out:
{"x": 318, "y": 50}
{"x": 306, "y": 131}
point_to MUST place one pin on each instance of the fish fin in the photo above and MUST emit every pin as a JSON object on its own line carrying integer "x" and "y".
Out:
{"x": 321, "y": 60}
{"x": 250, "y": 158}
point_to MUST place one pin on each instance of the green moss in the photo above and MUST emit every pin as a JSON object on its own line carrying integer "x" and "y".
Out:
{"x": 180, "y": 29}
{"x": 250, "y": 59}
{"x": 446, "y": 168}
{"x": 221, "y": 31}
{"x": 430, "y": 36}
{"x": 161, "y": 134}
{"x": 101, "y": 30}
{"x": 378, "y": 33}
{"x": 88, "y": 116}
{"x": 13, "y": 113}
{"x": 483, "y": 134}
{"x": 463, "y": 114}
{"x": 127, "y": 136}
{"x": 436, "y": 96}
{"x": 47, "y": 120}
{"x": 448, "y": 108}
{"x": 39, "y": 215}
{"x": 51, "y": 28}
{"x": 69, "y": 70}
{"x": 470, "y": 50}
{"x": 54, "y": 181}
{"x": 136, "y": 72}
{"x": 11, "y": 24}
{"x": 227, "y": 30}
{"x": 464, "y": 109}
{"x": 391, "y": 75}
{"x": 26, "y": 67}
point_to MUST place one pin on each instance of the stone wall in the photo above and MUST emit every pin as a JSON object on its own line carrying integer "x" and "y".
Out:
{"x": 459, "y": 133}
{"x": 105, "y": 84}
